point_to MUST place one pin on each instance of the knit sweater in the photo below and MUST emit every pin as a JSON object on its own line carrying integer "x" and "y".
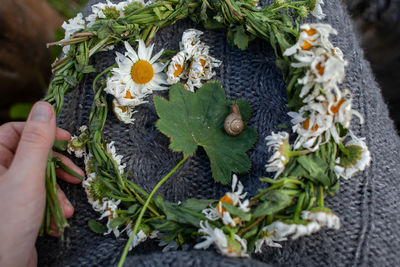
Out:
{"x": 367, "y": 204}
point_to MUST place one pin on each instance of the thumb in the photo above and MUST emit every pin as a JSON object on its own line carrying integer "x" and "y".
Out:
{"x": 35, "y": 143}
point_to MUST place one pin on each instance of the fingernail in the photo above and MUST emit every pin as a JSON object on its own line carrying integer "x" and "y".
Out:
{"x": 41, "y": 112}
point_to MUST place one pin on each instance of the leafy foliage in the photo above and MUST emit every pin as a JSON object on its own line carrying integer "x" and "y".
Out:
{"x": 97, "y": 227}
{"x": 197, "y": 119}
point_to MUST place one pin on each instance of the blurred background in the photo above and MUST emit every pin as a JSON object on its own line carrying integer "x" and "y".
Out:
{"x": 27, "y": 25}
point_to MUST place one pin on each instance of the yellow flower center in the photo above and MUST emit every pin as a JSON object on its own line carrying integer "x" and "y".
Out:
{"x": 128, "y": 95}
{"x": 307, "y": 44}
{"x": 142, "y": 72}
{"x": 320, "y": 68}
{"x": 335, "y": 109}
{"x": 306, "y": 125}
{"x": 122, "y": 108}
{"x": 179, "y": 69}
{"x": 224, "y": 199}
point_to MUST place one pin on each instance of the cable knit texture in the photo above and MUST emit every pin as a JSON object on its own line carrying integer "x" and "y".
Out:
{"x": 367, "y": 204}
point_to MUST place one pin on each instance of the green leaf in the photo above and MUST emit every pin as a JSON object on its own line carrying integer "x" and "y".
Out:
{"x": 88, "y": 69}
{"x": 133, "y": 209}
{"x": 197, "y": 204}
{"x": 315, "y": 169}
{"x": 241, "y": 39}
{"x": 236, "y": 212}
{"x": 97, "y": 227}
{"x": 118, "y": 221}
{"x": 60, "y": 144}
{"x": 179, "y": 214}
{"x": 71, "y": 80}
{"x": 273, "y": 201}
{"x": 197, "y": 119}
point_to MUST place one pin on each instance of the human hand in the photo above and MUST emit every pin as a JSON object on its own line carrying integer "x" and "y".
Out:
{"x": 24, "y": 150}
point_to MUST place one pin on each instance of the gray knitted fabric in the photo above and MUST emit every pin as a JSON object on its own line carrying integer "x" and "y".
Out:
{"x": 367, "y": 204}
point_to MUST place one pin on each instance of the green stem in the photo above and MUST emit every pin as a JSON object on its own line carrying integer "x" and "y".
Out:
{"x": 299, "y": 207}
{"x": 138, "y": 221}
{"x": 321, "y": 196}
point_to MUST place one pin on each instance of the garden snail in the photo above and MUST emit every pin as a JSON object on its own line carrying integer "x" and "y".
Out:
{"x": 233, "y": 123}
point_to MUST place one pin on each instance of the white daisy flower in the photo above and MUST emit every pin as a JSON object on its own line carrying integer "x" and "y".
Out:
{"x": 363, "y": 160}
{"x": 279, "y": 142}
{"x": 317, "y": 11}
{"x": 106, "y": 10}
{"x": 191, "y": 43}
{"x": 140, "y": 237}
{"x": 137, "y": 73}
{"x": 311, "y": 35}
{"x": 233, "y": 198}
{"x": 72, "y": 26}
{"x": 201, "y": 68}
{"x": 236, "y": 247}
{"x": 326, "y": 68}
{"x": 282, "y": 230}
{"x": 340, "y": 108}
{"x": 117, "y": 158}
{"x": 323, "y": 218}
{"x": 269, "y": 240}
{"x": 123, "y": 113}
{"x": 176, "y": 68}
{"x": 193, "y": 62}
{"x": 310, "y": 130}
{"x": 77, "y": 144}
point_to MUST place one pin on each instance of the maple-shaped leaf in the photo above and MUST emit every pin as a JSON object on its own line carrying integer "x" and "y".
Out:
{"x": 197, "y": 119}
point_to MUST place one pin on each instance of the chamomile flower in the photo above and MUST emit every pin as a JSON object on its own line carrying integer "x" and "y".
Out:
{"x": 77, "y": 144}
{"x": 310, "y": 130}
{"x": 279, "y": 142}
{"x": 140, "y": 236}
{"x": 201, "y": 68}
{"x": 193, "y": 62}
{"x": 341, "y": 108}
{"x": 176, "y": 68}
{"x": 317, "y": 11}
{"x": 282, "y": 230}
{"x": 362, "y": 158}
{"x": 72, "y": 26}
{"x": 231, "y": 247}
{"x": 110, "y": 213}
{"x": 323, "y": 218}
{"x": 233, "y": 198}
{"x": 106, "y": 10}
{"x": 326, "y": 68}
{"x": 191, "y": 44}
{"x": 117, "y": 158}
{"x": 123, "y": 113}
{"x": 269, "y": 239}
{"x": 137, "y": 73}
{"x": 311, "y": 35}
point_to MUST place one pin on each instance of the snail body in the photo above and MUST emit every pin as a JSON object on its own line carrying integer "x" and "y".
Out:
{"x": 233, "y": 123}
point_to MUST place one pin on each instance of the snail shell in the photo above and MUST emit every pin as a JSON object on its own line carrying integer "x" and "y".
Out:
{"x": 233, "y": 122}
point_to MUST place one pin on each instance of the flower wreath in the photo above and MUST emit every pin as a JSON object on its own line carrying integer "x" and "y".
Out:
{"x": 325, "y": 149}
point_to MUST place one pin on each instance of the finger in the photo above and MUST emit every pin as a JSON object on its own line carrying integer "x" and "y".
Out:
{"x": 63, "y": 175}
{"x": 35, "y": 143}
{"x": 53, "y": 229}
{"x": 66, "y": 206}
{"x": 62, "y": 134}
{"x": 67, "y": 209}
{"x": 10, "y": 133}
{"x": 33, "y": 258}
{"x": 6, "y": 157}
